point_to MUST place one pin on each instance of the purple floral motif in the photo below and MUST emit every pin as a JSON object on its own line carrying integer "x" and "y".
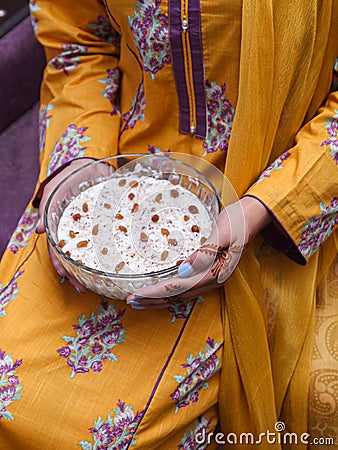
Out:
{"x": 199, "y": 369}
{"x": 9, "y": 292}
{"x": 111, "y": 90}
{"x": 33, "y": 8}
{"x": 319, "y": 228}
{"x": 69, "y": 146}
{"x": 9, "y": 384}
{"x": 44, "y": 121}
{"x": 24, "y": 230}
{"x": 220, "y": 118}
{"x": 105, "y": 32}
{"x": 95, "y": 337}
{"x": 117, "y": 431}
{"x": 69, "y": 58}
{"x": 276, "y": 165}
{"x": 150, "y": 29}
{"x": 137, "y": 108}
{"x": 195, "y": 439}
{"x": 332, "y": 131}
{"x": 182, "y": 310}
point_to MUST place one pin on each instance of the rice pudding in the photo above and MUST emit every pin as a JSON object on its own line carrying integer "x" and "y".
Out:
{"x": 133, "y": 224}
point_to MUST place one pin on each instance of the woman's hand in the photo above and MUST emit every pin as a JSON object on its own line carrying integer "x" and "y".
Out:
{"x": 211, "y": 265}
{"x": 48, "y": 189}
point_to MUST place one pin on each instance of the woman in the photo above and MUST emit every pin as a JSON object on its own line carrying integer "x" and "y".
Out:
{"x": 246, "y": 85}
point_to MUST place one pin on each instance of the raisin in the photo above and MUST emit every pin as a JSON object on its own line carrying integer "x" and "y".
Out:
{"x": 195, "y": 228}
{"x": 203, "y": 240}
{"x": 143, "y": 237}
{"x": 164, "y": 255}
{"x": 118, "y": 216}
{"x": 134, "y": 208}
{"x": 179, "y": 262}
{"x": 133, "y": 183}
{"x": 123, "y": 229}
{"x": 82, "y": 244}
{"x": 76, "y": 217}
{"x": 172, "y": 242}
{"x": 158, "y": 198}
{"x": 131, "y": 196}
{"x": 95, "y": 230}
{"x": 193, "y": 209}
{"x": 62, "y": 243}
{"x": 104, "y": 251}
{"x": 174, "y": 193}
{"x": 107, "y": 205}
{"x": 122, "y": 182}
{"x": 85, "y": 207}
{"x": 165, "y": 232}
{"x": 155, "y": 218}
{"x": 68, "y": 253}
{"x": 119, "y": 266}
{"x": 186, "y": 218}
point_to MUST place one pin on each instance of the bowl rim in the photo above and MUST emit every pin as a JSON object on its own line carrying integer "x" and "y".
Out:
{"x": 116, "y": 276}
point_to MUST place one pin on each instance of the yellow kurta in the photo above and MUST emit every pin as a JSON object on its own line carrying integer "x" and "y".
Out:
{"x": 245, "y": 85}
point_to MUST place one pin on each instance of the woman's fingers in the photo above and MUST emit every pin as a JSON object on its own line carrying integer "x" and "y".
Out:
{"x": 63, "y": 272}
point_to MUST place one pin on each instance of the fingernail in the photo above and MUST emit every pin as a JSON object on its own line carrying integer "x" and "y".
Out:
{"x": 133, "y": 302}
{"x": 139, "y": 296}
{"x": 78, "y": 290}
{"x": 138, "y": 307}
{"x": 63, "y": 279}
{"x": 185, "y": 270}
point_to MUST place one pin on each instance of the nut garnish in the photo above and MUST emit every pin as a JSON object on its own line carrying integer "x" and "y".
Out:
{"x": 122, "y": 182}
{"x": 133, "y": 183}
{"x": 119, "y": 266}
{"x": 179, "y": 262}
{"x": 118, "y": 216}
{"x": 158, "y": 198}
{"x": 174, "y": 193}
{"x": 186, "y": 218}
{"x": 123, "y": 229}
{"x": 72, "y": 234}
{"x": 203, "y": 240}
{"x": 62, "y": 243}
{"x": 172, "y": 242}
{"x": 68, "y": 253}
{"x": 85, "y": 207}
{"x": 165, "y": 232}
{"x": 76, "y": 217}
{"x": 104, "y": 251}
{"x": 107, "y": 205}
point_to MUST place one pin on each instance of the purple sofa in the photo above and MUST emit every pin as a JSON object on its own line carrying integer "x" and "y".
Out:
{"x": 21, "y": 66}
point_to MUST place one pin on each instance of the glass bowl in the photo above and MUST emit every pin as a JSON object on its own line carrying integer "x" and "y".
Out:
{"x": 175, "y": 168}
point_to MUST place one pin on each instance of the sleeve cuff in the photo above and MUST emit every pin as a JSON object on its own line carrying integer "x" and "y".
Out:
{"x": 276, "y": 236}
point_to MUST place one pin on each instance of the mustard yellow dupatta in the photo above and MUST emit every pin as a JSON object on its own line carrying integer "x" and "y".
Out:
{"x": 281, "y": 79}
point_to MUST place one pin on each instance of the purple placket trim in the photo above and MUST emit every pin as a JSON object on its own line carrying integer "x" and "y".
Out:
{"x": 196, "y": 49}
{"x": 176, "y": 45}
